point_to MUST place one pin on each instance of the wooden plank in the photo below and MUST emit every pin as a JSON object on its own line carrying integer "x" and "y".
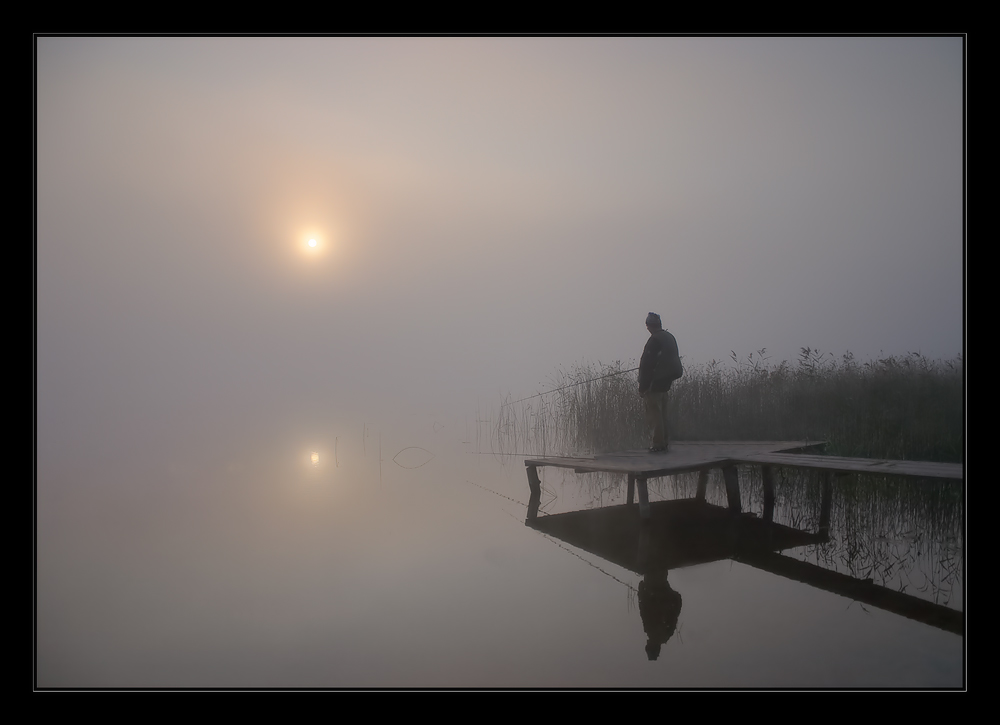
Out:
{"x": 534, "y": 483}
{"x": 665, "y": 465}
{"x": 685, "y": 456}
{"x": 922, "y": 469}
{"x": 682, "y": 457}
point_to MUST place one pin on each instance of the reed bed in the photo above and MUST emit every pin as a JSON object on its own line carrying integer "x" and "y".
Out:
{"x": 897, "y": 407}
{"x": 901, "y": 533}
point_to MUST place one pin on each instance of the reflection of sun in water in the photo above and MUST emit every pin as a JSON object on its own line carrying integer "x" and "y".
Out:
{"x": 315, "y": 459}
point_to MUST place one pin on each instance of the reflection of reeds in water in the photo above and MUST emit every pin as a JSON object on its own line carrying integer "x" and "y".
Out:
{"x": 901, "y": 407}
{"x": 902, "y": 533}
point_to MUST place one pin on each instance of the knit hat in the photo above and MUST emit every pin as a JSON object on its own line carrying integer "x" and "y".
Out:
{"x": 653, "y": 320}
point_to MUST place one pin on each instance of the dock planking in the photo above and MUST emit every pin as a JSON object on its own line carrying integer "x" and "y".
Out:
{"x": 683, "y": 457}
{"x": 688, "y": 456}
{"x": 838, "y": 464}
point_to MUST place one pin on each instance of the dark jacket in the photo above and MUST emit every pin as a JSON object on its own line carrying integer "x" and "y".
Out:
{"x": 660, "y": 363}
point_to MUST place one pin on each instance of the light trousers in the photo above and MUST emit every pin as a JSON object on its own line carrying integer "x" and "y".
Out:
{"x": 656, "y": 418}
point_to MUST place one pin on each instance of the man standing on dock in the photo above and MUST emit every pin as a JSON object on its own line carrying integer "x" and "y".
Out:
{"x": 659, "y": 367}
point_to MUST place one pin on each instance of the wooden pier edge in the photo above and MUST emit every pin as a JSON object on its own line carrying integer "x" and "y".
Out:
{"x": 703, "y": 456}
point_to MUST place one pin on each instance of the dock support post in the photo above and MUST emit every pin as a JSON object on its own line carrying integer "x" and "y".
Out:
{"x": 826, "y": 499}
{"x": 732, "y": 480}
{"x": 702, "y": 484}
{"x": 534, "y": 483}
{"x": 535, "y": 499}
{"x": 643, "y": 498}
{"x": 767, "y": 478}
{"x": 631, "y": 489}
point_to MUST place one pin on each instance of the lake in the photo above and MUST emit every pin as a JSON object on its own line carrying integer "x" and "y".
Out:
{"x": 400, "y": 558}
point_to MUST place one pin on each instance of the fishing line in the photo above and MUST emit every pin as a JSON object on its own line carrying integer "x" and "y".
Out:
{"x": 556, "y": 542}
{"x": 497, "y": 493}
{"x": 582, "y": 382}
{"x": 541, "y": 509}
{"x": 413, "y": 448}
{"x": 589, "y": 563}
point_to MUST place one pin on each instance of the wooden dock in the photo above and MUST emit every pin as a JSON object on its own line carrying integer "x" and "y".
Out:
{"x": 703, "y": 456}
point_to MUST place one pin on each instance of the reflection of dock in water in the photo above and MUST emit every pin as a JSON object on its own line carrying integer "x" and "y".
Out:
{"x": 666, "y": 535}
{"x": 677, "y": 534}
{"x": 690, "y": 531}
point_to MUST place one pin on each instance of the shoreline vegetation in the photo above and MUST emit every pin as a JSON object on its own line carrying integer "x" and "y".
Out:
{"x": 901, "y": 533}
{"x": 893, "y": 407}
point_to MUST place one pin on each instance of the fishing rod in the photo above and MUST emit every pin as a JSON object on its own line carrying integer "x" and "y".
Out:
{"x": 581, "y": 382}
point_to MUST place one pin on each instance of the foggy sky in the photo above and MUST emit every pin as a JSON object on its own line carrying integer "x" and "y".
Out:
{"x": 490, "y": 209}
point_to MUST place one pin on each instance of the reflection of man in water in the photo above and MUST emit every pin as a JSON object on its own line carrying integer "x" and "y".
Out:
{"x": 659, "y": 607}
{"x": 659, "y": 366}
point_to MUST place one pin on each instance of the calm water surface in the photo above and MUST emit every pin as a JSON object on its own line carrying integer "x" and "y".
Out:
{"x": 249, "y": 565}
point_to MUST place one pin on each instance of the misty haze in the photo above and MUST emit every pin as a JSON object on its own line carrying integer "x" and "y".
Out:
{"x": 309, "y": 308}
